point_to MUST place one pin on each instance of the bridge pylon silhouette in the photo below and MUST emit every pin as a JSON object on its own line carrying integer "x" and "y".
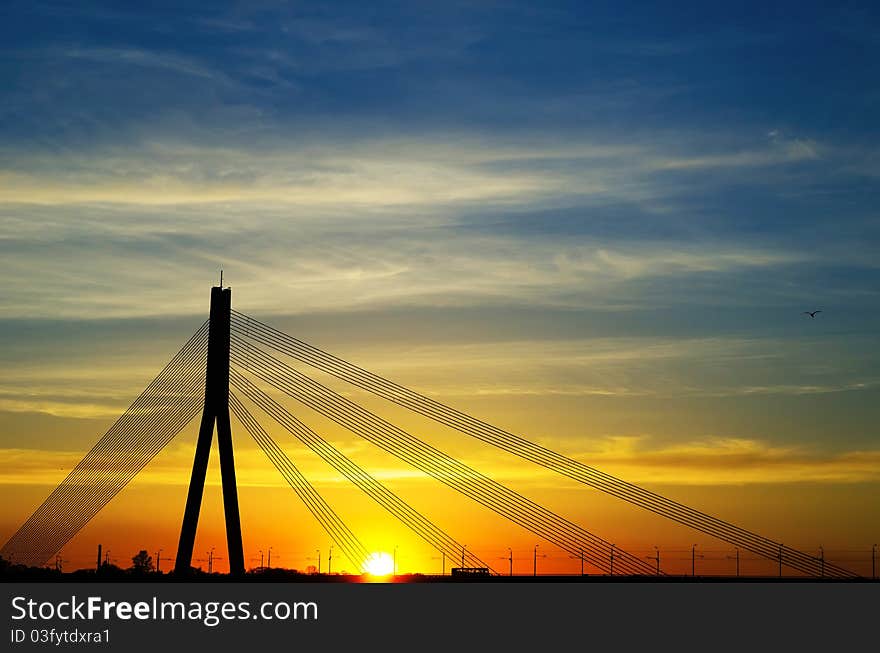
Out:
{"x": 215, "y": 411}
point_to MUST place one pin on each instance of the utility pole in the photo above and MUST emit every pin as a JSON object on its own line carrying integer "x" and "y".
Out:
{"x": 261, "y": 558}
{"x": 158, "y": 560}
{"x": 216, "y": 410}
{"x": 510, "y": 559}
{"x": 656, "y": 558}
{"x": 269, "y": 560}
{"x": 694, "y": 556}
{"x": 736, "y": 557}
{"x": 535, "y": 562}
{"x": 581, "y": 557}
{"x": 98, "y": 566}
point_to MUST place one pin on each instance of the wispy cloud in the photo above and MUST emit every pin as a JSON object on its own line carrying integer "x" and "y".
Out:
{"x": 730, "y": 461}
{"x": 783, "y": 152}
{"x": 307, "y": 263}
{"x": 416, "y": 172}
{"x": 712, "y": 461}
{"x": 144, "y": 58}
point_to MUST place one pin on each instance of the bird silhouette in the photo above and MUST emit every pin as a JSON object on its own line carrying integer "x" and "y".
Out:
{"x": 812, "y": 314}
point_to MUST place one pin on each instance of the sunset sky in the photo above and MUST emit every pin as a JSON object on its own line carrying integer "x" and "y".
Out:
{"x": 597, "y": 225}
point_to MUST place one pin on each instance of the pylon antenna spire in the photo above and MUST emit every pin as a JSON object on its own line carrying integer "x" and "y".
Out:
{"x": 221, "y": 277}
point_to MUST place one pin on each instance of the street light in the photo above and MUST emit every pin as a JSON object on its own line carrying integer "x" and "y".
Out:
{"x": 535, "y": 562}
{"x": 736, "y": 557}
{"x": 581, "y": 557}
{"x": 510, "y": 559}
{"x": 269, "y": 558}
{"x": 656, "y": 557}
{"x": 694, "y": 556}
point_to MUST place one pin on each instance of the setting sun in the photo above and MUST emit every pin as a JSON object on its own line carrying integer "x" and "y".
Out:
{"x": 379, "y": 564}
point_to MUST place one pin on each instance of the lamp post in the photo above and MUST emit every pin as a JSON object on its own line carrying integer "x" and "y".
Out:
{"x": 261, "y": 560}
{"x": 535, "y": 561}
{"x": 656, "y": 558}
{"x": 269, "y": 558}
{"x": 736, "y": 557}
{"x": 510, "y": 559}
{"x": 694, "y": 557}
{"x": 581, "y": 558}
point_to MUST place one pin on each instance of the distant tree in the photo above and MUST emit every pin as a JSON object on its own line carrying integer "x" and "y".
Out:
{"x": 142, "y": 563}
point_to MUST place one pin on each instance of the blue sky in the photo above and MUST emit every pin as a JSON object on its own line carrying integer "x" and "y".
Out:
{"x": 613, "y": 200}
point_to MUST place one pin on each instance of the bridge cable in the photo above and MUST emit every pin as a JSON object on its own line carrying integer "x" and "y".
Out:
{"x": 523, "y": 448}
{"x": 66, "y": 514}
{"x": 143, "y": 409}
{"x": 409, "y": 516}
{"x": 344, "y": 538}
{"x": 449, "y": 471}
{"x": 63, "y": 513}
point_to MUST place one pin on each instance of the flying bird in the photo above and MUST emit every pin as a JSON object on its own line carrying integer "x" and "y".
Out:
{"x": 811, "y": 313}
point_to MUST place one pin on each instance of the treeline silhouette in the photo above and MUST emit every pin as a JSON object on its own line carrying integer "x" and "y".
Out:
{"x": 143, "y": 569}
